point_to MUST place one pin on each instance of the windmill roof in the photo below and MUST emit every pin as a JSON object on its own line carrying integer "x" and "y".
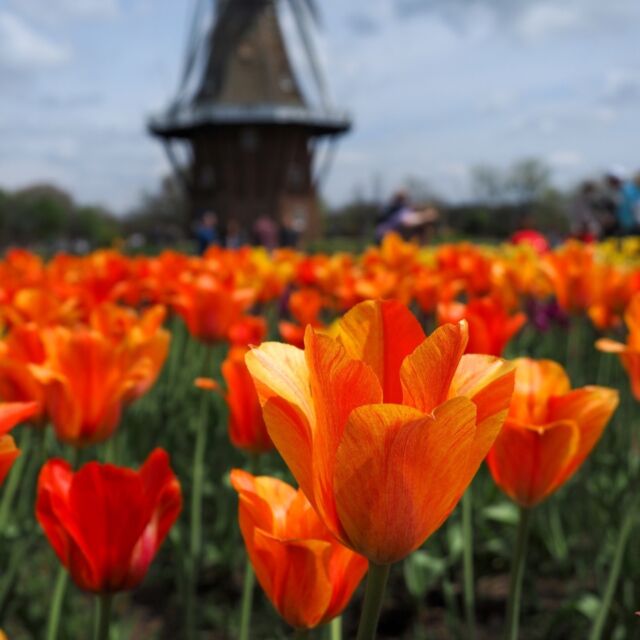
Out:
{"x": 247, "y": 68}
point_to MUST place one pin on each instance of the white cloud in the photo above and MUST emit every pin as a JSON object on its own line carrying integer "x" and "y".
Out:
{"x": 22, "y": 48}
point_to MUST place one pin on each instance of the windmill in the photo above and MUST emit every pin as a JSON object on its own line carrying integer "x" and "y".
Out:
{"x": 252, "y": 120}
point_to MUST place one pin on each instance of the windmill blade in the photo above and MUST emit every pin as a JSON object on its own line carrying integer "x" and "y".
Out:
{"x": 303, "y": 12}
{"x": 193, "y": 45}
{"x": 313, "y": 9}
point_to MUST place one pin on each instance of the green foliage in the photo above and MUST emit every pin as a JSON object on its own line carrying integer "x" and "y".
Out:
{"x": 44, "y": 215}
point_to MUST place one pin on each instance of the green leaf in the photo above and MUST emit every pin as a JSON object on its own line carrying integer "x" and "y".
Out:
{"x": 422, "y": 571}
{"x": 588, "y": 605}
{"x": 503, "y": 512}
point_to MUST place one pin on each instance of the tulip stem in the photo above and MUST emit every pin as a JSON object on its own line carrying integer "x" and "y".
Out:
{"x": 517, "y": 573}
{"x": 53, "y": 621}
{"x": 301, "y": 634}
{"x": 195, "y": 541}
{"x": 614, "y": 575}
{"x": 334, "y": 629}
{"x": 249, "y": 576}
{"x": 373, "y": 596}
{"x": 247, "y": 601}
{"x": 103, "y": 616}
{"x": 467, "y": 563}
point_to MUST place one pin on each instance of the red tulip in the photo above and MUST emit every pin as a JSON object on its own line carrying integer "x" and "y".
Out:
{"x": 106, "y": 523}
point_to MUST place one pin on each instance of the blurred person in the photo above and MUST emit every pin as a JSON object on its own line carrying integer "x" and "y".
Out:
{"x": 400, "y": 216}
{"x": 206, "y": 231}
{"x": 583, "y": 219}
{"x": 622, "y": 197}
{"x": 389, "y": 218}
{"x": 289, "y": 234}
{"x": 265, "y": 232}
{"x": 236, "y": 237}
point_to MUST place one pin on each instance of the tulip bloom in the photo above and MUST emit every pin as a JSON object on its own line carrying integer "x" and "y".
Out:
{"x": 490, "y": 326}
{"x": 106, "y": 523}
{"x": 305, "y": 306}
{"x": 308, "y": 576}
{"x": 210, "y": 307}
{"x": 21, "y": 348}
{"x": 89, "y": 378}
{"x": 246, "y": 425}
{"x": 630, "y": 352}
{"x": 382, "y": 427}
{"x": 11, "y": 413}
{"x": 549, "y": 432}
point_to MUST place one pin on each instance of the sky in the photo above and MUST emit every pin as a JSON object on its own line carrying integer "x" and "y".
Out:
{"x": 435, "y": 88}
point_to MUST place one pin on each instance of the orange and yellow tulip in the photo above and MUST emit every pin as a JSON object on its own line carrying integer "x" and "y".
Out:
{"x": 549, "y": 432}
{"x": 382, "y": 427}
{"x": 308, "y": 576}
{"x": 88, "y": 379}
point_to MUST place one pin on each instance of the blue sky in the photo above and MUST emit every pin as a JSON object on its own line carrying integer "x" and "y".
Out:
{"x": 435, "y": 87}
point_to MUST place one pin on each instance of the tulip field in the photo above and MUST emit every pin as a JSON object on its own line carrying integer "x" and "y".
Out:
{"x": 413, "y": 442}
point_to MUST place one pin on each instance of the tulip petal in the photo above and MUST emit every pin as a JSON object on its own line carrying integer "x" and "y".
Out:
{"x": 291, "y": 435}
{"x": 12, "y": 413}
{"x": 427, "y": 373}
{"x": 346, "y": 570}
{"x": 58, "y": 522}
{"x": 400, "y": 473}
{"x": 487, "y": 381}
{"x": 381, "y": 333}
{"x": 8, "y": 454}
{"x": 526, "y": 462}
{"x": 299, "y": 587}
{"x": 338, "y": 386}
{"x": 591, "y": 408}
{"x": 610, "y": 346}
{"x": 280, "y": 370}
{"x": 95, "y": 498}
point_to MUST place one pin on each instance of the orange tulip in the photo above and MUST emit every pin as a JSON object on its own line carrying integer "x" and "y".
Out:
{"x": 305, "y": 306}
{"x": 140, "y": 338}
{"x": 88, "y": 379}
{"x": 630, "y": 352}
{"x": 11, "y": 413}
{"x": 308, "y": 576}
{"x": 246, "y": 425}
{"x": 490, "y": 326}
{"x": 21, "y": 348}
{"x": 550, "y": 431}
{"x": 211, "y": 307}
{"x": 382, "y": 428}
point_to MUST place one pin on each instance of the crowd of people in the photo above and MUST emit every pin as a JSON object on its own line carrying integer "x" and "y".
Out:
{"x": 265, "y": 232}
{"x": 605, "y": 208}
{"x": 601, "y": 208}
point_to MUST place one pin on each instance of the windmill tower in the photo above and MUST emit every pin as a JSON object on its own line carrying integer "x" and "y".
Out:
{"x": 249, "y": 126}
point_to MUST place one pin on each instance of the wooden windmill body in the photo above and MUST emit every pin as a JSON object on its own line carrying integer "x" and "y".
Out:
{"x": 246, "y": 125}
